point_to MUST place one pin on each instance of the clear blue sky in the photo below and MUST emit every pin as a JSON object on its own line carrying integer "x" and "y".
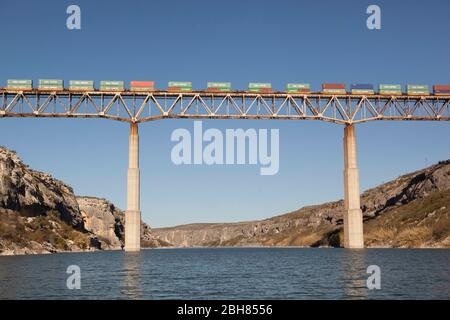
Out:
{"x": 237, "y": 41}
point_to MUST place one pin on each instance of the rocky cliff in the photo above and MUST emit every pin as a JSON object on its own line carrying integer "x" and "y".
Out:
{"x": 410, "y": 211}
{"x": 107, "y": 222}
{"x": 40, "y": 214}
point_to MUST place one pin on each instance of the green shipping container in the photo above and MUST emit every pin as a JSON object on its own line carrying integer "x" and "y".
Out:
{"x": 362, "y": 91}
{"x": 19, "y": 84}
{"x": 391, "y": 92}
{"x": 109, "y": 83}
{"x": 81, "y": 83}
{"x": 389, "y": 87}
{"x": 334, "y": 91}
{"x": 180, "y": 84}
{"x": 255, "y": 85}
{"x": 51, "y": 84}
{"x": 417, "y": 87}
{"x": 296, "y": 86}
{"x": 419, "y": 92}
{"x": 142, "y": 88}
{"x": 219, "y": 85}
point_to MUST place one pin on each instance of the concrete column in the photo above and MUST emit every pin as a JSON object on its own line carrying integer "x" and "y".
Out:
{"x": 353, "y": 222}
{"x": 133, "y": 213}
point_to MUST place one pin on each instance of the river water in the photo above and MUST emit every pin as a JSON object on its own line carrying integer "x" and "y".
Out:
{"x": 230, "y": 273}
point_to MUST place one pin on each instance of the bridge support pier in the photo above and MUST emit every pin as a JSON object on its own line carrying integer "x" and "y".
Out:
{"x": 353, "y": 222}
{"x": 133, "y": 213}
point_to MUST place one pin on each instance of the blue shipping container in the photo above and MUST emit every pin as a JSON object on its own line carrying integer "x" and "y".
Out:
{"x": 361, "y": 86}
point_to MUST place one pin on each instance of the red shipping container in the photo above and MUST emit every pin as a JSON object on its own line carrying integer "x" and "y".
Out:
{"x": 441, "y": 87}
{"x": 333, "y": 86}
{"x": 142, "y": 83}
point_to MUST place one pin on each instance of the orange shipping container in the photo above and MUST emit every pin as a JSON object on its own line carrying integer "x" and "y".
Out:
{"x": 333, "y": 86}
{"x": 142, "y": 83}
{"x": 441, "y": 87}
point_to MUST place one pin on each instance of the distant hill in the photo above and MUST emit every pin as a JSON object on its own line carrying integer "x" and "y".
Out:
{"x": 410, "y": 211}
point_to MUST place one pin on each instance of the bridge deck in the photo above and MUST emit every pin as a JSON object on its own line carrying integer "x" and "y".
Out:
{"x": 138, "y": 107}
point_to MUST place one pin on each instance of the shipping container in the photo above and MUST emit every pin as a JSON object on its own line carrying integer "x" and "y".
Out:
{"x": 256, "y": 85}
{"x": 333, "y": 86}
{"x": 415, "y": 89}
{"x": 298, "y": 87}
{"x": 218, "y": 90}
{"x": 390, "y": 89}
{"x": 220, "y": 86}
{"x": 362, "y": 91}
{"x": 393, "y": 87}
{"x": 142, "y": 86}
{"x": 298, "y": 90}
{"x": 142, "y": 89}
{"x": 262, "y": 90}
{"x": 51, "y": 84}
{"x": 442, "y": 92}
{"x": 441, "y": 87}
{"x": 19, "y": 84}
{"x": 334, "y": 91}
{"x": 360, "y": 88}
{"x": 142, "y": 83}
{"x": 180, "y": 84}
{"x": 387, "y": 92}
{"x": 81, "y": 85}
{"x": 111, "y": 85}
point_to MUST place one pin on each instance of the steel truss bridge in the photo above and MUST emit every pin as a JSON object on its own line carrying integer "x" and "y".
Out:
{"x": 136, "y": 107}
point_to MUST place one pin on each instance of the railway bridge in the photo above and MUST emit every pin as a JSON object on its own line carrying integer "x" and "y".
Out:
{"x": 138, "y": 107}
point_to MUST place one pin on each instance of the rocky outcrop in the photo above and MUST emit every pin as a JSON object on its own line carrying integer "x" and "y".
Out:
{"x": 107, "y": 222}
{"x": 103, "y": 219}
{"x": 321, "y": 225}
{"x": 40, "y": 214}
{"x": 31, "y": 193}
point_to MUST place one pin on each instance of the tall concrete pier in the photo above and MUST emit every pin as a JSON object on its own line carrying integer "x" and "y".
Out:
{"x": 133, "y": 213}
{"x": 353, "y": 224}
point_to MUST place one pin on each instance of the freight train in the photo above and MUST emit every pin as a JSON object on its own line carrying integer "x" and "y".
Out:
{"x": 220, "y": 87}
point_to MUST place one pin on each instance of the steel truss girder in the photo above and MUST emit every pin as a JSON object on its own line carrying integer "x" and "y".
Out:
{"x": 141, "y": 107}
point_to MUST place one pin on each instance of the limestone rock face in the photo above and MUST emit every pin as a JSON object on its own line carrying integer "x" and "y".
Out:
{"x": 32, "y": 193}
{"x": 103, "y": 219}
{"x": 107, "y": 221}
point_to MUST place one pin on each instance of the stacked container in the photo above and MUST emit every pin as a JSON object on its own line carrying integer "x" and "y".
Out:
{"x": 47, "y": 84}
{"x": 260, "y": 87}
{"x": 219, "y": 86}
{"x": 81, "y": 85}
{"x": 142, "y": 85}
{"x": 416, "y": 89}
{"x": 334, "y": 88}
{"x": 298, "y": 88}
{"x": 441, "y": 90}
{"x": 359, "y": 88}
{"x": 111, "y": 85}
{"x": 17, "y": 84}
{"x": 179, "y": 86}
{"x": 390, "y": 89}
